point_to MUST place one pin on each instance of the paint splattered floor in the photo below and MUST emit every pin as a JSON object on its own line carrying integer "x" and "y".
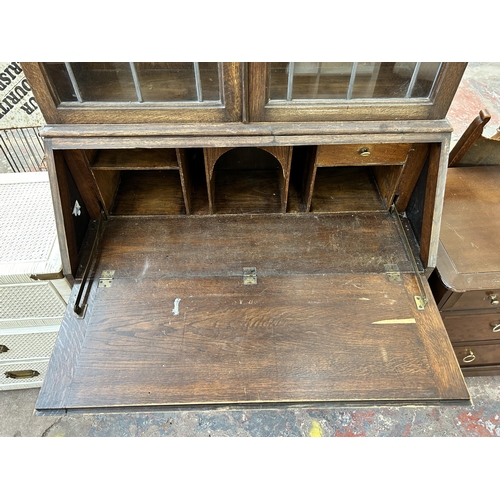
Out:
{"x": 482, "y": 418}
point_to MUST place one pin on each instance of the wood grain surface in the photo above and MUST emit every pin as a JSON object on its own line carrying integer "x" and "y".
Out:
{"x": 350, "y": 154}
{"x": 136, "y": 159}
{"x": 293, "y": 338}
{"x": 151, "y": 193}
{"x": 345, "y": 189}
{"x": 323, "y": 323}
{"x": 275, "y": 244}
{"x": 473, "y": 327}
{"x": 469, "y": 229}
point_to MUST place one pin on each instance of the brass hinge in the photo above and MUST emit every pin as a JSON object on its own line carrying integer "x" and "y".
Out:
{"x": 106, "y": 279}
{"x": 392, "y": 271}
{"x": 421, "y": 302}
{"x": 249, "y": 275}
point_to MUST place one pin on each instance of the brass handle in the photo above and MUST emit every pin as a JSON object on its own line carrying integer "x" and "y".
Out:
{"x": 364, "y": 152}
{"x": 493, "y": 299}
{"x": 3, "y": 348}
{"x": 22, "y": 374}
{"x": 495, "y": 325}
{"x": 469, "y": 358}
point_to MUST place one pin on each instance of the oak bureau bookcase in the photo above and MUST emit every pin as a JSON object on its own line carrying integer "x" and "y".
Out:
{"x": 248, "y": 233}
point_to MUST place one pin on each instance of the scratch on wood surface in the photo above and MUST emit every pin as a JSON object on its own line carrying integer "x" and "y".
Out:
{"x": 363, "y": 298}
{"x": 183, "y": 328}
{"x": 456, "y": 232}
{"x": 395, "y": 321}
{"x": 175, "y": 310}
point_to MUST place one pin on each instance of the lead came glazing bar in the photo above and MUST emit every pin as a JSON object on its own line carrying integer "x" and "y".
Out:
{"x": 413, "y": 80}
{"x": 197, "y": 78}
{"x": 73, "y": 81}
{"x": 435, "y": 78}
{"x": 351, "y": 81}
{"x": 136, "y": 82}
{"x": 291, "y": 68}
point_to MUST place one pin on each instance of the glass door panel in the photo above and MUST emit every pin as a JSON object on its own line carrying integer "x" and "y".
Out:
{"x": 310, "y": 91}
{"x": 144, "y": 91}
{"x": 345, "y": 81}
{"x": 135, "y": 82}
{"x": 101, "y": 82}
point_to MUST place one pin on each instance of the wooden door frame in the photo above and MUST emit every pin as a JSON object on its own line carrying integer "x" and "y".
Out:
{"x": 230, "y": 109}
{"x": 435, "y": 107}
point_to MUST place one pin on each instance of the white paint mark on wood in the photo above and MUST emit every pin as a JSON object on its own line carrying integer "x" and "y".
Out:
{"x": 384, "y": 355}
{"x": 395, "y": 321}
{"x": 175, "y": 310}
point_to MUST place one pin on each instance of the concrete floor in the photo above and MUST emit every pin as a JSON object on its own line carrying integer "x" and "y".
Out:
{"x": 480, "y": 88}
{"x": 482, "y": 418}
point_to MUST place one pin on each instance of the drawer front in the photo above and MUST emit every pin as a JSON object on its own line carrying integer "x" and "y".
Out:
{"x": 478, "y": 355}
{"x": 472, "y": 328}
{"x": 477, "y": 299}
{"x": 27, "y": 344}
{"x": 361, "y": 154}
{"x": 27, "y": 305}
{"x": 33, "y": 373}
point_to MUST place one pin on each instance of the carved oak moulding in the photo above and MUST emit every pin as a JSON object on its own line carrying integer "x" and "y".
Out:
{"x": 249, "y": 234}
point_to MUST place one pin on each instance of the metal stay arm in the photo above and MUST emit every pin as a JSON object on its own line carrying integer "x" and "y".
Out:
{"x": 80, "y": 309}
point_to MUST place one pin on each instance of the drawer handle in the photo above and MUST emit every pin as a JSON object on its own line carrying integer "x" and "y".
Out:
{"x": 22, "y": 374}
{"x": 495, "y": 325}
{"x": 493, "y": 299}
{"x": 469, "y": 358}
{"x": 364, "y": 152}
{"x": 3, "y": 348}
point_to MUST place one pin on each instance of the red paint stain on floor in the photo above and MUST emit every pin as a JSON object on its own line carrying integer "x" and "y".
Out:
{"x": 464, "y": 108}
{"x": 474, "y": 424}
{"x": 355, "y": 425}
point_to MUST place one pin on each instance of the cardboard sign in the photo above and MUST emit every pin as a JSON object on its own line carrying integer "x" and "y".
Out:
{"x": 18, "y": 107}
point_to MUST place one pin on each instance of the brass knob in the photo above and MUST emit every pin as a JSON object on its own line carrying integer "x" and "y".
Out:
{"x": 469, "y": 358}
{"x": 493, "y": 299}
{"x": 495, "y": 326}
{"x": 364, "y": 152}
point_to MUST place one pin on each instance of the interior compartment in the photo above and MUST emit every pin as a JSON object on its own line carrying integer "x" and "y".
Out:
{"x": 346, "y": 189}
{"x": 143, "y": 181}
{"x": 248, "y": 180}
{"x": 149, "y": 192}
{"x": 354, "y": 177}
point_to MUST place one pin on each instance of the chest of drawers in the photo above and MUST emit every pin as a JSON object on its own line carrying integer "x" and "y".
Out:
{"x": 466, "y": 283}
{"x": 33, "y": 290}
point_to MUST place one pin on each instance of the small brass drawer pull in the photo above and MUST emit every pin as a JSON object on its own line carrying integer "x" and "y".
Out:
{"x": 469, "y": 358}
{"x": 493, "y": 299}
{"x": 22, "y": 374}
{"x": 495, "y": 326}
{"x": 3, "y": 348}
{"x": 364, "y": 152}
